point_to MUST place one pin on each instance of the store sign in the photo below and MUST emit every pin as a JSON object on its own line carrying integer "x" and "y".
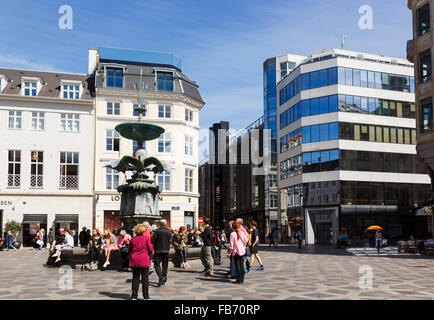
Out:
{"x": 5, "y": 203}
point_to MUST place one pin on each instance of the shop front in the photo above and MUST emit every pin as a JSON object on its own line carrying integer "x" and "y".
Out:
{"x": 31, "y": 224}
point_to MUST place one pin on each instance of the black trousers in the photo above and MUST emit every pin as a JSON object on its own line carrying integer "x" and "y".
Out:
{"x": 239, "y": 266}
{"x": 125, "y": 260}
{"x": 161, "y": 260}
{"x": 93, "y": 254}
{"x": 143, "y": 274}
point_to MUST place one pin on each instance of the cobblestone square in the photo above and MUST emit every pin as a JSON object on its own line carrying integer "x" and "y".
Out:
{"x": 290, "y": 273}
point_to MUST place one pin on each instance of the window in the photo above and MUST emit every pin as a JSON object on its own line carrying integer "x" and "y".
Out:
{"x": 114, "y": 78}
{"x": 14, "y": 168}
{"x": 113, "y": 108}
{"x": 68, "y": 170}
{"x": 163, "y": 180}
{"x": 324, "y": 132}
{"x": 164, "y": 112}
{"x": 136, "y": 146}
{"x": 349, "y": 77}
{"x": 136, "y": 113}
{"x": 371, "y": 79}
{"x": 314, "y": 133}
{"x": 188, "y": 115}
{"x": 112, "y": 140}
{"x": 38, "y": 120}
{"x": 363, "y": 78}
{"x": 425, "y": 66}
{"x": 30, "y": 88}
{"x": 323, "y": 78}
{"x": 423, "y": 20}
{"x": 15, "y": 119}
{"x": 427, "y": 116}
{"x": 188, "y": 146}
{"x": 165, "y": 142}
{"x": 71, "y": 91}
{"x": 333, "y": 131}
{"x": 305, "y": 82}
{"x": 341, "y": 75}
{"x": 36, "y": 169}
{"x": 164, "y": 81}
{"x": 314, "y": 79}
{"x": 356, "y": 77}
{"x": 314, "y": 106}
{"x": 333, "y": 76}
{"x": 111, "y": 178}
{"x": 70, "y": 122}
{"x": 188, "y": 180}
{"x": 324, "y": 105}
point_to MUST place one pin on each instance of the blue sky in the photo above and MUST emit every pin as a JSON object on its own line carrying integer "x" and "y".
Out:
{"x": 222, "y": 43}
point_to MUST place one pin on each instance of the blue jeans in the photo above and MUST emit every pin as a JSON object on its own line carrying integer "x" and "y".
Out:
{"x": 233, "y": 267}
{"x": 10, "y": 246}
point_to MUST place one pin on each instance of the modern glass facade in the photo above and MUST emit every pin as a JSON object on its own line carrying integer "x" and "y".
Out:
{"x": 347, "y": 131}
{"x": 347, "y": 103}
{"x": 270, "y": 99}
{"x": 346, "y": 76}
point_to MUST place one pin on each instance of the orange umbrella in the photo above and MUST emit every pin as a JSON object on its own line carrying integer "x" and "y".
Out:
{"x": 374, "y": 228}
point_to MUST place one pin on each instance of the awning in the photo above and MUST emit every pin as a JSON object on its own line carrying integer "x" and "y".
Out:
{"x": 35, "y": 218}
{"x": 69, "y": 218}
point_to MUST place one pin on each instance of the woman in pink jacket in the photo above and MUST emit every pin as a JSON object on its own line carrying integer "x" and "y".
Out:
{"x": 140, "y": 250}
{"x": 237, "y": 248}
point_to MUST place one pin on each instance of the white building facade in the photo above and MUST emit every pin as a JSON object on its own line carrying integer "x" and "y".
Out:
{"x": 46, "y": 151}
{"x": 346, "y": 139}
{"x": 171, "y": 101}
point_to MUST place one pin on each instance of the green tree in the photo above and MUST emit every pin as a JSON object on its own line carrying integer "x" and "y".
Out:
{"x": 14, "y": 227}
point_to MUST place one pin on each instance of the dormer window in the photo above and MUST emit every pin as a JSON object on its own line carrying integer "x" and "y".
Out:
{"x": 3, "y": 83}
{"x": 164, "y": 81}
{"x": 70, "y": 90}
{"x": 30, "y": 86}
{"x": 114, "y": 78}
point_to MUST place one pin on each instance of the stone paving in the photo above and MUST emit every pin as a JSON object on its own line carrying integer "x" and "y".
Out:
{"x": 290, "y": 273}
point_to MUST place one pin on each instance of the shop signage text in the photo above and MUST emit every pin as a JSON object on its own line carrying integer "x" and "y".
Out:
{"x": 5, "y": 203}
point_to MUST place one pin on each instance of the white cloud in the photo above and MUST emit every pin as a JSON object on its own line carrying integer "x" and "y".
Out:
{"x": 13, "y": 61}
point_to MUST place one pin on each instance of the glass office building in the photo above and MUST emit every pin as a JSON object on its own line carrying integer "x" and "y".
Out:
{"x": 346, "y": 133}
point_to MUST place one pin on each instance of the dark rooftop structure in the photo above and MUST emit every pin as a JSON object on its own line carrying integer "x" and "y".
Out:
{"x": 50, "y": 83}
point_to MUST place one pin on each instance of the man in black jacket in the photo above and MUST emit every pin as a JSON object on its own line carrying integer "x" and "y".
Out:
{"x": 206, "y": 251}
{"x": 161, "y": 243}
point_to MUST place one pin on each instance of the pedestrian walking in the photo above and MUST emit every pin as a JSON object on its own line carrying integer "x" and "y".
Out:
{"x": 161, "y": 243}
{"x": 9, "y": 241}
{"x": 378, "y": 240}
{"x": 123, "y": 243}
{"x": 246, "y": 232}
{"x": 223, "y": 238}
{"x": 237, "y": 249}
{"x": 254, "y": 246}
{"x": 206, "y": 251}
{"x": 180, "y": 242}
{"x": 277, "y": 236}
{"x": 140, "y": 250}
{"x": 299, "y": 236}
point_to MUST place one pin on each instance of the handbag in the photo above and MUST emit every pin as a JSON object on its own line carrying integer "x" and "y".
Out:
{"x": 40, "y": 242}
{"x": 125, "y": 249}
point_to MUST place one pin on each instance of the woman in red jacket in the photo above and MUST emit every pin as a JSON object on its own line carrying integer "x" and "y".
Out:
{"x": 140, "y": 250}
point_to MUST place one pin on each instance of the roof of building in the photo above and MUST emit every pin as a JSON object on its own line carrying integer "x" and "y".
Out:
{"x": 139, "y": 56}
{"x": 51, "y": 81}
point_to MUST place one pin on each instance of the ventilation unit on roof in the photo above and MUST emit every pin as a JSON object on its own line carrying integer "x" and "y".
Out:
{"x": 360, "y": 57}
{"x": 394, "y": 61}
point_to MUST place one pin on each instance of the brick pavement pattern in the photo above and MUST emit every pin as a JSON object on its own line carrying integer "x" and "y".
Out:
{"x": 290, "y": 273}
